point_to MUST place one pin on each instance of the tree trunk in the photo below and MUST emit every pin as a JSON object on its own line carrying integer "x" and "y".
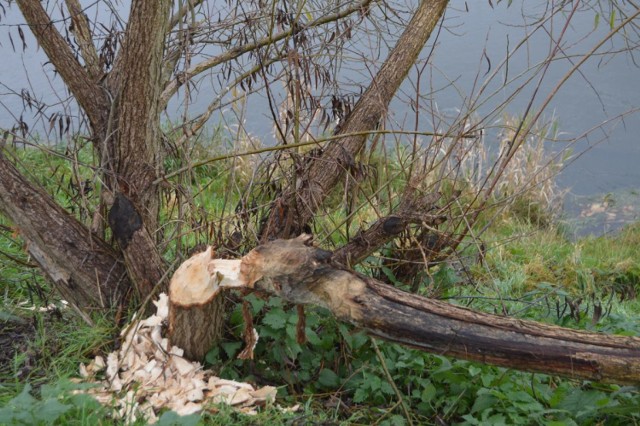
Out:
{"x": 301, "y": 204}
{"x": 83, "y": 268}
{"x": 194, "y": 309}
{"x": 135, "y": 150}
{"x": 305, "y": 275}
{"x": 123, "y": 110}
{"x": 86, "y": 90}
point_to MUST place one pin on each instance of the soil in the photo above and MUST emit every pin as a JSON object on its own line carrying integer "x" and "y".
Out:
{"x": 16, "y": 335}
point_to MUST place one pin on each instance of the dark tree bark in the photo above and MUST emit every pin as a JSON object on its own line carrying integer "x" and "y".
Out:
{"x": 124, "y": 112}
{"x": 305, "y": 275}
{"x": 413, "y": 208}
{"x": 135, "y": 155}
{"x": 85, "y": 269}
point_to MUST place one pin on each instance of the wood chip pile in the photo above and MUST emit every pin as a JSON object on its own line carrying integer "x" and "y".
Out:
{"x": 146, "y": 376}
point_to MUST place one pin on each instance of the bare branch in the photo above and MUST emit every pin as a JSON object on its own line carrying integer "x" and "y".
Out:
{"x": 186, "y": 7}
{"x": 87, "y": 92}
{"x": 412, "y": 209}
{"x": 85, "y": 41}
{"x": 173, "y": 86}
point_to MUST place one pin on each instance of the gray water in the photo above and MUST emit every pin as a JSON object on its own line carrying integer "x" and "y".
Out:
{"x": 606, "y": 168}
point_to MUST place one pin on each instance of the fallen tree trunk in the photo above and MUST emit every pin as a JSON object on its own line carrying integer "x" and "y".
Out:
{"x": 305, "y": 275}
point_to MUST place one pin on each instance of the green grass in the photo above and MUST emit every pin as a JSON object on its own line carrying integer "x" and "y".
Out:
{"x": 530, "y": 269}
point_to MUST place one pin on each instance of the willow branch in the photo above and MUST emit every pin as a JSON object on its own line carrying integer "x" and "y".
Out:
{"x": 86, "y": 91}
{"x": 84, "y": 39}
{"x": 186, "y": 7}
{"x": 173, "y": 86}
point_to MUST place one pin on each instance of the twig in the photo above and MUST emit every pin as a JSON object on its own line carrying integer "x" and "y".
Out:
{"x": 391, "y": 382}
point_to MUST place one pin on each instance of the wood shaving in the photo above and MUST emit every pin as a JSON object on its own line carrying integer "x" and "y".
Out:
{"x": 145, "y": 376}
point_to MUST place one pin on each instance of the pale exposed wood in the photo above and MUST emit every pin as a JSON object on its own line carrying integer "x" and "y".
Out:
{"x": 305, "y": 275}
{"x": 193, "y": 307}
{"x": 83, "y": 268}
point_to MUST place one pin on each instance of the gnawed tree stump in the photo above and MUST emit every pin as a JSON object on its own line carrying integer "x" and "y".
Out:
{"x": 305, "y": 275}
{"x": 192, "y": 306}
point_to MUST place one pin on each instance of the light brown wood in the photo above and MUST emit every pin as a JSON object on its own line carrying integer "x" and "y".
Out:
{"x": 193, "y": 306}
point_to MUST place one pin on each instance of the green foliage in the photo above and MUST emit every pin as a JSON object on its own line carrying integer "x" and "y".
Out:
{"x": 529, "y": 271}
{"x": 56, "y": 405}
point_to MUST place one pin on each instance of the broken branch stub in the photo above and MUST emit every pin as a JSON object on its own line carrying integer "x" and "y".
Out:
{"x": 302, "y": 274}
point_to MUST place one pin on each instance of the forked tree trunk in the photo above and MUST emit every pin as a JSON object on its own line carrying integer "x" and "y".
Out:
{"x": 305, "y": 275}
{"x": 123, "y": 110}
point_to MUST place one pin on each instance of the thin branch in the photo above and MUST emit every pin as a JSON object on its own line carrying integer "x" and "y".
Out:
{"x": 289, "y": 146}
{"x": 87, "y": 92}
{"x": 186, "y": 7}
{"x": 391, "y": 382}
{"x": 83, "y": 37}
{"x": 173, "y": 86}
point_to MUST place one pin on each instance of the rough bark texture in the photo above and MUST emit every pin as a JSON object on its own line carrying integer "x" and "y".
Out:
{"x": 305, "y": 275}
{"x": 90, "y": 96}
{"x": 134, "y": 151}
{"x": 413, "y": 208}
{"x": 302, "y": 203}
{"x": 194, "y": 307}
{"x": 83, "y": 268}
{"x": 123, "y": 110}
{"x": 137, "y": 146}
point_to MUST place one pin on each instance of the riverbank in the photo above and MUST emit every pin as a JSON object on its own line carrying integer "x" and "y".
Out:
{"x": 523, "y": 265}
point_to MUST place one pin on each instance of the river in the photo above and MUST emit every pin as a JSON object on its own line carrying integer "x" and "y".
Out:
{"x": 597, "y": 108}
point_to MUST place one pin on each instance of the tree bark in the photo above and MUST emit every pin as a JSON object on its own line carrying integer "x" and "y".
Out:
{"x": 413, "y": 208}
{"x": 301, "y": 204}
{"x": 82, "y": 31}
{"x": 134, "y": 152}
{"x": 124, "y": 113}
{"x": 305, "y": 275}
{"x": 83, "y": 268}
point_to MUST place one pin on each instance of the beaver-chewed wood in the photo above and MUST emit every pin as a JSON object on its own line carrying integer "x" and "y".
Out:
{"x": 302, "y": 274}
{"x": 192, "y": 305}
